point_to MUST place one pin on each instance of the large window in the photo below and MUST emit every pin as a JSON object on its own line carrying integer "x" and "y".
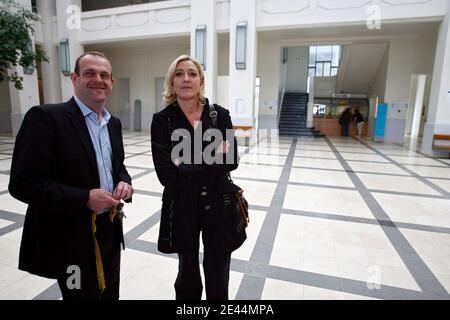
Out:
{"x": 324, "y": 60}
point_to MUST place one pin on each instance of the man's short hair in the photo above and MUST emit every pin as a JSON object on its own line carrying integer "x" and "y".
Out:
{"x": 89, "y": 53}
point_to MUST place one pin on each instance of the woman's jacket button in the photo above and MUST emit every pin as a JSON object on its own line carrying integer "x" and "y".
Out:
{"x": 207, "y": 207}
{"x": 204, "y": 193}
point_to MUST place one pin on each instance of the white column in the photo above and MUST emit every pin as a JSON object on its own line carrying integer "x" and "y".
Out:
{"x": 309, "y": 112}
{"x": 242, "y": 82}
{"x": 203, "y": 12}
{"x": 50, "y": 70}
{"x": 69, "y": 26}
{"x": 373, "y": 103}
{"x": 415, "y": 104}
{"x": 438, "y": 119}
{"x": 23, "y": 100}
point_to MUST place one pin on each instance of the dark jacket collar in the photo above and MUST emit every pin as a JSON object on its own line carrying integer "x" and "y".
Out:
{"x": 174, "y": 110}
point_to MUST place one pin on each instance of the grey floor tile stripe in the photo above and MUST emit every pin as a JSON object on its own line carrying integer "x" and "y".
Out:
{"x": 412, "y": 173}
{"x": 254, "y": 179}
{"x": 251, "y": 286}
{"x": 139, "y": 168}
{"x": 393, "y": 224}
{"x": 316, "y": 168}
{"x": 259, "y": 208}
{"x": 423, "y": 276}
{"x": 419, "y": 195}
{"x": 126, "y": 144}
{"x": 355, "y": 171}
{"x": 3, "y": 192}
{"x": 51, "y": 293}
{"x": 380, "y": 173}
{"x": 351, "y": 286}
{"x": 129, "y": 155}
{"x": 314, "y": 158}
{"x": 261, "y": 164}
{"x": 372, "y": 153}
{"x": 11, "y": 216}
{"x": 143, "y": 227}
{"x": 421, "y": 165}
{"x": 148, "y": 247}
{"x": 11, "y": 228}
{"x": 148, "y": 193}
{"x": 274, "y": 153}
{"x": 439, "y": 160}
{"x": 137, "y": 176}
{"x": 322, "y": 186}
{"x": 236, "y": 265}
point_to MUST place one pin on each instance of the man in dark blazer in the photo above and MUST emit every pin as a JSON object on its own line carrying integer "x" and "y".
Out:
{"x": 68, "y": 166}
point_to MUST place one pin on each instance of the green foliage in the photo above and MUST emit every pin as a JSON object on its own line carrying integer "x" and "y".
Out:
{"x": 16, "y": 25}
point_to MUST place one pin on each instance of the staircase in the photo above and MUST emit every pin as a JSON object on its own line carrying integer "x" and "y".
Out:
{"x": 293, "y": 116}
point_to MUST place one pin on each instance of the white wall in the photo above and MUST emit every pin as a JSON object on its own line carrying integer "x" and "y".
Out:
{"x": 142, "y": 67}
{"x": 297, "y": 69}
{"x": 65, "y": 19}
{"x": 378, "y": 87}
{"x": 268, "y": 67}
{"x": 203, "y": 14}
{"x": 407, "y": 56}
{"x": 224, "y": 57}
{"x": 400, "y": 69}
{"x": 119, "y": 101}
{"x": 324, "y": 87}
{"x": 242, "y": 82}
{"x": 424, "y": 61}
{"x": 222, "y": 92}
{"x": 292, "y": 13}
{"x": 173, "y": 17}
{"x": 438, "y": 120}
{"x": 164, "y": 18}
{"x": 223, "y": 62}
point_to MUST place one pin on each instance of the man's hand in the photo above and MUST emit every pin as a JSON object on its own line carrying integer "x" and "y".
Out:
{"x": 123, "y": 191}
{"x": 100, "y": 199}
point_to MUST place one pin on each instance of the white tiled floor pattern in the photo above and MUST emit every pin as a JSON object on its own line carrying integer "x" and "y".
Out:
{"x": 322, "y": 244}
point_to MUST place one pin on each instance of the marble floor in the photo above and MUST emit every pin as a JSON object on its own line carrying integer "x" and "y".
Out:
{"x": 331, "y": 218}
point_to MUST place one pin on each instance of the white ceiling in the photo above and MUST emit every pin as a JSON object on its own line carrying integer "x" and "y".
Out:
{"x": 354, "y": 33}
{"x": 143, "y": 44}
{"x": 364, "y": 61}
{"x": 367, "y": 46}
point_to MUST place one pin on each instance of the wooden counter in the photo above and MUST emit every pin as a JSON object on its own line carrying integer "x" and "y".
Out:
{"x": 331, "y": 127}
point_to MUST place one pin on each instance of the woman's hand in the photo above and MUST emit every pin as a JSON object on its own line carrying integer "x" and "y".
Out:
{"x": 223, "y": 147}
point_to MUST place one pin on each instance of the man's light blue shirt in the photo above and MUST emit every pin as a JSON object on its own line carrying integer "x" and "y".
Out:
{"x": 102, "y": 145}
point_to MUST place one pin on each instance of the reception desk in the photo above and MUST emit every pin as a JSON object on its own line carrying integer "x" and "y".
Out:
{"x": 331, "y": 127}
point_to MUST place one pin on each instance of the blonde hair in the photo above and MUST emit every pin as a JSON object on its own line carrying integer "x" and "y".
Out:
{"x": 169, "y": 91}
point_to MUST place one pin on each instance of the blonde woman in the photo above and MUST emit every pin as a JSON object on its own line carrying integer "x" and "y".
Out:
{"x": 197, "y": 192}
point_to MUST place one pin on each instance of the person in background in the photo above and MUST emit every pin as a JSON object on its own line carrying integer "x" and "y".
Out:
{"x": 196, "y": 195}
{"x": 358, "y": 121}
{"x": 344, "y": 121}
{"x": 68, "y": 166}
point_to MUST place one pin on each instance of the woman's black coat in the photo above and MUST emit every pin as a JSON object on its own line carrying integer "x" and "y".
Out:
{"x": 184, "y": 184}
